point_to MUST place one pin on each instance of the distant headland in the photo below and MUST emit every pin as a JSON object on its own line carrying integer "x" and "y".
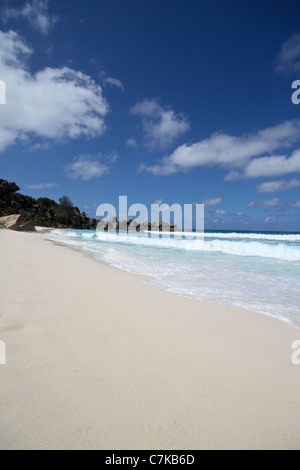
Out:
{"x": 24, "y": 213}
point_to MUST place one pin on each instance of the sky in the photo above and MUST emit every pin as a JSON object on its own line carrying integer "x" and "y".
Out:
{"x": 163, "y": 101}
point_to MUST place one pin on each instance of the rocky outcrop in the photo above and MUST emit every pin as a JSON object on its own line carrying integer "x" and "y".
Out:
{"x": 47, "y": 213}
{"x": 6, "y": 187}
{"x": 12, "y": 222}
{"x": 28, "y": 227}
{"x": 163, "y": 227}
{"x": 133, "y": 226}
{"x": 144, "y": 227}
{"x": 123, "y": 226}
{"x": 42, "y": 212}
{"x": 112, "y": 225}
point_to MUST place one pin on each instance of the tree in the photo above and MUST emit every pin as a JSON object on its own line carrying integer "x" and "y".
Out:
{"x": 47, "y": 203}
{"x": 65, "y": 209}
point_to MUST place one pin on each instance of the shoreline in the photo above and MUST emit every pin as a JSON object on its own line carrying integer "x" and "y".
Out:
{"x": 98, "y": 359}
{"x": 148, "y": 279}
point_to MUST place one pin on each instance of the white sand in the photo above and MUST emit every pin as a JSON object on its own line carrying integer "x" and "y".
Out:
{"x": 98, "y": 359}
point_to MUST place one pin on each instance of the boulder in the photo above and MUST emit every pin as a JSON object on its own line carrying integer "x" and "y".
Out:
{"x": 7, "y": 188}
{"x": 132, "y": 226}
{"x": 174, "y": 228}
{"x": 113, "y": 224}
{"x": 123, "y": 225}
{"x": 145, "y": 226}
{"x": 102, "y": 225}
{"x": 13, "y": 202}
{"x": 155, "y": 227}
{"x": 28, "y": 227}
{"x": 12, "y": 222}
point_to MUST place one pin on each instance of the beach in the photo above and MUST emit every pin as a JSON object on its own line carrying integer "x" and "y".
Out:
{"x": 97, "y": 358}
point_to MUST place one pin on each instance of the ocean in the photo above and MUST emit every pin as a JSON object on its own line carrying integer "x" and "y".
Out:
{"x": 257, "y": 271}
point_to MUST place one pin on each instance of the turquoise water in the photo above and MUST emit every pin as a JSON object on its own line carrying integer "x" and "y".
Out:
{"x": 258, "y": 271}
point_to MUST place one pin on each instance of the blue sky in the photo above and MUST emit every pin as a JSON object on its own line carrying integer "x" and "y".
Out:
{"x": 171, "y": 101}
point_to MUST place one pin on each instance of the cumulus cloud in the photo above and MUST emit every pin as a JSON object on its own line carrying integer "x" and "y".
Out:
{"x": 87, "y": 167}
{"x": 35, "y": 12}
{"x": 269, "y": 166}
{"x": 269, "y": 203}
{"x": 231, "y": 152}
{"x": 39, "y": 186}
{"x": 288, "y": 60}
{"x": 54, "y": 103}
{"x": 212, "y": 202}
{"x": 161, "y": 126}
{"x": 295, "y": 205}
{"x": 280, "y": 185}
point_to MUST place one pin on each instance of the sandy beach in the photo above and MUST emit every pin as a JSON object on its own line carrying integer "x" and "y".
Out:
{"x": 99, "y": 359}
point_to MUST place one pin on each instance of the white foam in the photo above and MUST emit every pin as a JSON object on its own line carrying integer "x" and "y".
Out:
{"x": 264, "y": 248}
{"x": 241, "y": 248}
{"x": 255, "y": 236}
{"x": 261, "y": 275}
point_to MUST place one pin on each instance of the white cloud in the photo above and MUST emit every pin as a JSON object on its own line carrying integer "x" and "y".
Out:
{"x": 114, "y": 82}
{"x": 110, "y": 80}
{"x": 158, "y": 201}
{"x": 161, "y": 126}
{"x": 269, "y": 203}
{"x": 212, "y": 202}
{"x": 87, "y": 167}
{"x": 35, "y": 12}
{"x": 90, "y": 206}
{"x": 132, "y": 143}
{"x": 39, "y": 146}
{"x": 269, "y": 166}
{"x": 219, "y": 213}
{"x": 288, "y": 60}
{"x": 56, "y": 104}
{"x": 270, "y": 220}
{"x": 280, "y": 185}
{"x": 296, "y": 205}
{"x": 231, "y": 152}
{"x": 38, "y": 186}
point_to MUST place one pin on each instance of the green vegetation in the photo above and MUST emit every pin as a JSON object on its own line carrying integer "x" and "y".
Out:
{"x": 47, "y": 203}
{"x": 65, "y": 210}
{"x": 7, "y": 211}
{"x": 43, "y": 211}
{"x": 66, "y": 202}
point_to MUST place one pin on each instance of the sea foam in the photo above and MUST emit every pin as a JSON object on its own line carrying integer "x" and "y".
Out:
{"x": 259, "y": 272}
